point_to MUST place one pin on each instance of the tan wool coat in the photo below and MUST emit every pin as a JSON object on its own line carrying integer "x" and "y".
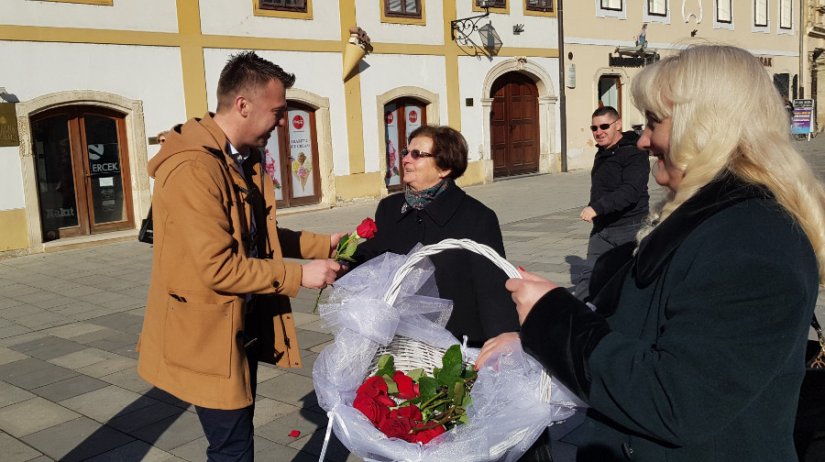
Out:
{"x": 192, "y": 344}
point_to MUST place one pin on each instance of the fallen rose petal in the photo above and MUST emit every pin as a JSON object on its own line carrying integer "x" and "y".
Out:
{"x": 294, "y": 434}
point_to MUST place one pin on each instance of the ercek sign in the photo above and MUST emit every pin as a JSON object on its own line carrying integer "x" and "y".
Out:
{"x": 8, "y": 125}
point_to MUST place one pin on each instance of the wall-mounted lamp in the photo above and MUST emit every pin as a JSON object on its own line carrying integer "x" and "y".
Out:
{"x": 7, "y": 97}
{"x": 460, "y": 30}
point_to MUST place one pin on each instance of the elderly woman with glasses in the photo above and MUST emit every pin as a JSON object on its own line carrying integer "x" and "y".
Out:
{"x": 696, "y": 349}
{"x": 432, "y": 208}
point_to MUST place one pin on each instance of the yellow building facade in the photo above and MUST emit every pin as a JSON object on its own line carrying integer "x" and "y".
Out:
{"x": 89, "y": 84}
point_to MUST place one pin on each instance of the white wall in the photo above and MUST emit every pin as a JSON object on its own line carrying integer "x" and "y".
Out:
{"x": 387, "y": 72}
{"x": 140, "y": 15}
{"x": 319, "y": 73}
{"x": 237, "y": 18}
{"x": 368, "y": 15}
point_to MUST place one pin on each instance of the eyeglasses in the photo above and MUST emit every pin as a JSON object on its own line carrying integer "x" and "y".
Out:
{"x": 593, "y": 128}
{"x": 415, "y": 153}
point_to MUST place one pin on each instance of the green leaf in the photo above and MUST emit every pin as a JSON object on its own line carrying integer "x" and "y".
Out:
{"x": 427, "y": 387}
{"x": 416, "y": 374}
{"x": 453, "y": 366}
{"x": 392, "y": 387}
{"x": 386, "y": 366}
{"x": 458, "y": 393}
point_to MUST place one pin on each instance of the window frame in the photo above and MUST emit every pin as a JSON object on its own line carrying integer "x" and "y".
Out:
{"x": 539, "y": 11}
{"x": 717, "y": 17}
{"x": 493, "y": 9}
{"x": 607, "y": 8}
{"x": 650, "y": 12}
{"x": 287, "y": 13}
{"x": 395, "y": 18}
{"x": 619, "y": 13}
{"x": 767, "y": 10}
{"x": 83, "y": 2}
{"x": 790, "y": 27}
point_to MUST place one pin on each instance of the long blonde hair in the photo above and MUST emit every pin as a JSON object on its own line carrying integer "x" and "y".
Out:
{"x": 727, "y": 114}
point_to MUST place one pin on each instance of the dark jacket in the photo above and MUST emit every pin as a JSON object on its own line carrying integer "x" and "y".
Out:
{"x": 618, "y": 184}
{"x": 696, "y": 352}
{"x": 482, "y": 307}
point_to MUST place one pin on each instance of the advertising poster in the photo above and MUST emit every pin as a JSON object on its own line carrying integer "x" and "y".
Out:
{"x": 272, "y": 163}
{"x": 393, "y": 177}
{"x": 300, "y": 150}
{"x": 802, "y": 122}
{"x": 412, "y": 115}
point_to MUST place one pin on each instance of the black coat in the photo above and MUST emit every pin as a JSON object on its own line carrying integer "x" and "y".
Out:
{"x": 482, "y": 307}
{"x": 696, "y": 352}
{"x": 618, "y": 184}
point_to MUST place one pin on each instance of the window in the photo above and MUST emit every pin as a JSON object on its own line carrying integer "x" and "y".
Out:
{"x": 723, "y": 11}
{"x": 494, "y": 3}
{"x": 86, "y": 2}
{"x": 403, "y": 8}
{"x": 493, "y": 6}
{"x": 610, "y": 91}
{"x": 760, "y": 13}
{"x": 613, "y": 5}
{"x": 657, "y": 7}
{"x": 544, "y": 6}
{"x": 785, "y": 14}
{"x": 298, "y": 6}
{"x": 291, "y": 158}
{"x": 401, "y": 117}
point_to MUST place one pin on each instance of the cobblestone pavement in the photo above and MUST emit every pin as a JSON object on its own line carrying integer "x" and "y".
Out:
{"x": 69, "y": 322}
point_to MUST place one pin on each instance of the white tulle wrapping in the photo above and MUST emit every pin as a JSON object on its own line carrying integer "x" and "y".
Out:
{"x": 507, "y": 414}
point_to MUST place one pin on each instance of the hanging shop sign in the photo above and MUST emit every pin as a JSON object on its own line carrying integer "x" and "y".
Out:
{"x": 8, "y": 125}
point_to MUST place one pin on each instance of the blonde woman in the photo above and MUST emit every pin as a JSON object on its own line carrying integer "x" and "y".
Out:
{"x": 696, "y": 349}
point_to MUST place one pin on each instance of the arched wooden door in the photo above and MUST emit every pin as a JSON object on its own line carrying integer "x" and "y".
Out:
{"x": 514, "y": 125}
{"x": 82, "y": 168}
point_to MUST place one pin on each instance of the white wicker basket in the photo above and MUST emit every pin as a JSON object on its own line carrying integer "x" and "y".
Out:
{"x": 410, "y": 353}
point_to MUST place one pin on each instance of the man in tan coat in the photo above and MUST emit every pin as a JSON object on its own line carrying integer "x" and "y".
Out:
{"x": 218, "y": 296}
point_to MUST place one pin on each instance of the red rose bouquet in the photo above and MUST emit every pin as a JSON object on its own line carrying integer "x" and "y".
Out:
{"x": 347, "y": 245}
{"x": 415, "y": 407}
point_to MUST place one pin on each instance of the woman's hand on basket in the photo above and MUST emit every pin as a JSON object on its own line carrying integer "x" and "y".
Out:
{"x": 501, "y": 344}
{"x": 527, "y": 291}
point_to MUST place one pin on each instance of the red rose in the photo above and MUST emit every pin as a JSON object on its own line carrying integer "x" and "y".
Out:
{"x": 411, "y": 412}
{"x": 372, "y": 387}
{"x": 424, "y": 436}
{"x": 366, "y": 229}
{"x": 374, "y": 411}
{"x": 406, "y": 387}
{"x": 396, "y": 425}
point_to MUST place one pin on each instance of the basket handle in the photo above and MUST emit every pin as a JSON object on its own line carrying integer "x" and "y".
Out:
{"x": 446, "y": 244}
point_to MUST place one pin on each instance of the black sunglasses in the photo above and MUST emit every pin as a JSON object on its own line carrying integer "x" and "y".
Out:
{"x": 415, "y": 153}
{"x": 593, "y": 128}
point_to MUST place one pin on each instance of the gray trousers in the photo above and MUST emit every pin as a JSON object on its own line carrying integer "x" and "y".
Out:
{"x": 600, "y": 242}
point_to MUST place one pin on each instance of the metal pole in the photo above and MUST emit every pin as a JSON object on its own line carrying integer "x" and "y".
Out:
{"x": 562, "y": 98}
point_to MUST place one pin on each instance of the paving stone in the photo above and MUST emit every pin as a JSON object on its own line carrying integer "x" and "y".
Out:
{"x": 308, "y": 358}
{"x": 134, "y": 451}
{"x": 9, "y": 394}
{"x": 108, "y": 366}
{"x": 32, "y": 373}
{"x": 15, "y": 450}
{"x": 82, "y": 358}
{"x": 6, "y": 302}
{"x": 13, "y": 331}
{"x": 289, "y": 388}
{"x": 8, "y": 355}
{"x": 33, "y": 415}
{"x": 305, "y": 421}
{"x": 77, "y": 440}
{"x": 27, "y": 336}
{"x": 106, "y": 403}
{"x": 43, "y": 321}
{"x": 266, "y": 372}
{"x": 267, "y": 410}
{"x": 130, "y": 380}
{"x": 128, "y": 422}
{"x": 48, "y": 347}
{"x": 69, "y": 388}
{"x": 171, "y": 432}
{"x": 308, "y": 339}
{"x": 312, "y": 444}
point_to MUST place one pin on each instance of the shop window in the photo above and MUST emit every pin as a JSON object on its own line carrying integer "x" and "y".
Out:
{"x": 401, "y": 117}
{"x": 785, "y": 14}
{"x": 291, "y": 158}
{"x": 402, "y": 8}
{"x": 782, "y": 82}
{"x": 724, "y": 11}
{"x": 657, "y": 7}
{"x": 760, "y": 13}
{"x": 610, "y": 91}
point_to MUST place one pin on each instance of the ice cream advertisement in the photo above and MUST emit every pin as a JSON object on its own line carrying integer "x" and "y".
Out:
{"x": 300, "y": 149}
{"x": 392, "y": 176}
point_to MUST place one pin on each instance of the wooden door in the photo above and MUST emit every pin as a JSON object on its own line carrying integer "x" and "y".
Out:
{"x": 514, "y": 125}
{"x": 291, "y": 158}
{"x": 82, "y": 168}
